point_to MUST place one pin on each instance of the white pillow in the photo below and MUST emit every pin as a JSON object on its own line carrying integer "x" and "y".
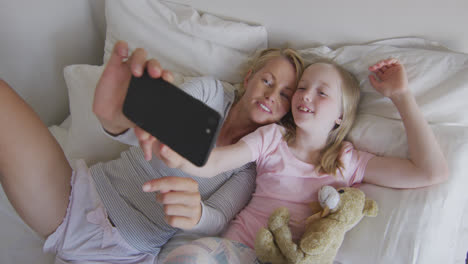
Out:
{"x": 438, "y": 77}
{"x": 423, "y": 225}
{"x": 183, "y": 40}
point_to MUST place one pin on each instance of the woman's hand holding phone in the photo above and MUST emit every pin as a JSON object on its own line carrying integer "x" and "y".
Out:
{"x": 180, "y": 196}
{"x": 112, "y": 87}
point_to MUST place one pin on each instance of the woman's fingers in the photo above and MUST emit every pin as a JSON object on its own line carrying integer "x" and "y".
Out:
{"x": 181, "y": 200}
{"x": 182, "y": 222}
{"x": 119, "y": 53}
{"x": 171, "y": 183}
{"x": 137, "y": 62}
{"x": 154, "y": 68}
{"x": 186, "y": 197}
{"x": 167, "y": 76}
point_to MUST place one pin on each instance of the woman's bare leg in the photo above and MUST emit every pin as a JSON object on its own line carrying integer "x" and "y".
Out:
{"x": 33, "y": 169}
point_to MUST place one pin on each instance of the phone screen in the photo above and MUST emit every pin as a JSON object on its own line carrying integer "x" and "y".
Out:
{"x": 180, "y": 121}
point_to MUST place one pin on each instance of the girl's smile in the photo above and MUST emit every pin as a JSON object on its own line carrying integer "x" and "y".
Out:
{"x": 317, "y": 98}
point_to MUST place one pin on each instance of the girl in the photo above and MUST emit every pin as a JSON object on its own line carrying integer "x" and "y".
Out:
{"x": 99, "y": 214}
{"x": 295, "y": 160}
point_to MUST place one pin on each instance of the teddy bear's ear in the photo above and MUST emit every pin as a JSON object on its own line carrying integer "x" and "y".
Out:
{"x": 370, "y": 208}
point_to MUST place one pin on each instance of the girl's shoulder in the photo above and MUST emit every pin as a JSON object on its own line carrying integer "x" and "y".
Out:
{"x": 347, "y": 151}
{"x": 346, "y": 147}
{"x": 274, "y": 130}
{"x": 268, "y": 133}
{"x": 353, "y": 158}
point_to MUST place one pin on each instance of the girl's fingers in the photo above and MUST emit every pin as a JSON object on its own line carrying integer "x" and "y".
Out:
{"x": 383, "y": 65}
{"x": 391, "y": 61}
{"x": 146, "y": 141}
{"x": 141, "y": 134}
{"x": 170, "y": 157}
{"x": 374, "y": 82}
{"x": 147, "y": 147}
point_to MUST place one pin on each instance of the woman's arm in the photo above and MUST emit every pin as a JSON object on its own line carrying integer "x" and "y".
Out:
{"x": 227, "y": 201}
{"x": 181, "y": 198}
{"x": 110, "y": 94}
{"x": 220, "y": 160}
{"x": 426, "y": 164}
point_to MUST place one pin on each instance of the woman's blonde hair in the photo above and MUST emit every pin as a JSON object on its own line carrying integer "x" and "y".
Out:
{"x": 329, "y": 155}
{"x": 261, "y": 58}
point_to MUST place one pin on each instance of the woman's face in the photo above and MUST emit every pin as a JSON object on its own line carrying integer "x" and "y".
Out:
{"x": 268, "y": 92}
{"x": 317, "y": 101}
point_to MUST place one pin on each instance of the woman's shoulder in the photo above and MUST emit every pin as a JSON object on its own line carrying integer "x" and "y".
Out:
{"x": 208, "y": 83}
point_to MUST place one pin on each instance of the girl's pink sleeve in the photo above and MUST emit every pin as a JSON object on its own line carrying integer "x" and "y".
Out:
{"x": 354, "y": 162}
{"x": 263, "y": 140}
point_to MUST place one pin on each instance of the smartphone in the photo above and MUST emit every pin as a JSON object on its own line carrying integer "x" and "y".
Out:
{"x": 180, "y": 121}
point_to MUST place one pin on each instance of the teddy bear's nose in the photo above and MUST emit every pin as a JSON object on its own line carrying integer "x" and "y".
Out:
{"x": 341, "y": 191}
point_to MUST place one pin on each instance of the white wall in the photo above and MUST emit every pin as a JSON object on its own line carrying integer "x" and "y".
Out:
{"x": 39, "y": 38}
{"x": 306, "y": 22}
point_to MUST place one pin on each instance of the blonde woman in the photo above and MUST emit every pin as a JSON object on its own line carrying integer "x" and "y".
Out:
{"x": 100, "y": 214}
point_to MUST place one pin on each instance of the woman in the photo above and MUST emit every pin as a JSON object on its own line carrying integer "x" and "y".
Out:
{"x": 107, "y": 208}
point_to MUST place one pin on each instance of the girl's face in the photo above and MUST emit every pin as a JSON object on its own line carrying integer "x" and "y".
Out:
{"x": 317, "y": 102}
{"x": 268, "y": 92}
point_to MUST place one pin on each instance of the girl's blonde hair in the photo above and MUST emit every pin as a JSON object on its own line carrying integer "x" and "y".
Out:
{"x": 329, "y": 155}
{"x": 261, "y": 58}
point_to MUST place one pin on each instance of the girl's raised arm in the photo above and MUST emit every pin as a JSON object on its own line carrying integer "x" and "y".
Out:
{"x": 221, "y": 159}
{"x": 426, "y": 164}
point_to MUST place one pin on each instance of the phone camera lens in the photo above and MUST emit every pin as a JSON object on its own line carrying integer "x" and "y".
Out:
{"x": 211, "y": 121}
{"x": 208, "y": 131}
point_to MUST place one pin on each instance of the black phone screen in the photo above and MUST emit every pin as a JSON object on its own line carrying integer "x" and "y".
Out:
{"x": 182, "y": 122}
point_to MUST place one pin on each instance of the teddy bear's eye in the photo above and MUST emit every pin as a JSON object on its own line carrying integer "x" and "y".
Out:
{"x": 341, "y": 191}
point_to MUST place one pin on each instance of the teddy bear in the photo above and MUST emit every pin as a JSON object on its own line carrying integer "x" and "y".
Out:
{"x": 340, "y": 210}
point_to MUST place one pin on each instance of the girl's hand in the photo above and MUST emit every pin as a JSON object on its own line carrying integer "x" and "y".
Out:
{"x": 171, "y": 158}
{"x": 392, "y": 81}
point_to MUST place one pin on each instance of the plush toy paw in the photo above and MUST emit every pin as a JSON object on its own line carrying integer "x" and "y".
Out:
{"x": 314, "y": 243}
{"x": 266, "y": 249}
{"x": 278, "y": 219}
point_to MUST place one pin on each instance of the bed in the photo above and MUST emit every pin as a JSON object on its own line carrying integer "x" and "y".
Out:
{"x": 202, "y": 37}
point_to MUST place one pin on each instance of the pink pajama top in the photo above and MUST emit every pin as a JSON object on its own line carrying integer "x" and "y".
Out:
{"x": 284, "y": 180}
